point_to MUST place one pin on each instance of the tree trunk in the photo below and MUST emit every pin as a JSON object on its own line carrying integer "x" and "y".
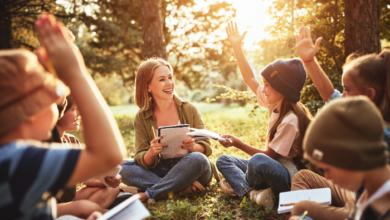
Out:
{"x": 152, "y": 32}
{"x": 5, "y": 25}
{"x": 362, "y": 26}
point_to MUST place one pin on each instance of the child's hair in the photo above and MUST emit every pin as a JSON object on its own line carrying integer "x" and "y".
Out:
{"x": 373, "y": 71}
{"x": 143, "y": 77}
{"x": 304, "y": 118}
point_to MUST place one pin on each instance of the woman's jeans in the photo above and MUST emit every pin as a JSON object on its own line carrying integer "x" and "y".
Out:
{"x": 171, "y": 175}
{"x": 259, "y": 172}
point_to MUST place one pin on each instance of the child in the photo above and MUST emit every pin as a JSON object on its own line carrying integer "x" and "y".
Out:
{"x": 270, "y": 169}
{"x": 366, "y": 75}
{"x": 95, "y": 196}
{"x": 352, "y": 153}
{"x": 33, "y": 172}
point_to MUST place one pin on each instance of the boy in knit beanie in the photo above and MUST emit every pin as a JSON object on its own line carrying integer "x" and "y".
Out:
{"x": 345, "y": 140}
{"x": 32, "y": 172}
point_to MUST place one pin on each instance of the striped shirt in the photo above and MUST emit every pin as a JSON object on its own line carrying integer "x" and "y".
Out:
{"x": 31, "y": 173}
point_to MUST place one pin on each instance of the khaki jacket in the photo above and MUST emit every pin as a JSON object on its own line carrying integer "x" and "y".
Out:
{"x": 144, "y": 121}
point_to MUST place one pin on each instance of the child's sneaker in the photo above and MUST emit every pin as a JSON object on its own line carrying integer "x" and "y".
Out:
{"x": 263, "y": 197}
{"x": 226, "y": 188}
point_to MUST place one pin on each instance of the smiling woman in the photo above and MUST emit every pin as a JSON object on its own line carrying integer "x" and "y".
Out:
{"x": 160, "y": 106}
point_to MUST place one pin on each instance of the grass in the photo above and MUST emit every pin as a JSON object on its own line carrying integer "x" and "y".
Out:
{"x": 213, "y": 204}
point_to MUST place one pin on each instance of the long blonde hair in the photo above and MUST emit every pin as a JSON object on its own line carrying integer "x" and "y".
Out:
{"x": 143, "y": 77}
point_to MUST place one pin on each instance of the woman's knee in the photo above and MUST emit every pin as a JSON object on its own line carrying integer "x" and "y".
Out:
{"x": 198, "y": 158}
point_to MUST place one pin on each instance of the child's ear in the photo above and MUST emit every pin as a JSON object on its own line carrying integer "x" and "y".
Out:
{"x": 371, "y": 93}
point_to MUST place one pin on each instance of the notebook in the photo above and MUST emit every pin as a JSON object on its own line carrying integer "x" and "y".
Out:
{"x": 130, "y": 209}
{"x": 173, "y": 137}
{"x": 287, "y": 200}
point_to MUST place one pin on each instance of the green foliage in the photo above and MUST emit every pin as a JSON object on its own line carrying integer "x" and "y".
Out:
{"x": 190, "y": 28}
{"x": 236, "y": 95}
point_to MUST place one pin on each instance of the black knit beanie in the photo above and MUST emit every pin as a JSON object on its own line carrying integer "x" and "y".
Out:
{"x": 347, "y": 134}
{"x": 287, "y": 76}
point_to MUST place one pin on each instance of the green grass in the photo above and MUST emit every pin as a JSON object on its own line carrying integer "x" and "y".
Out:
{"x": 213, "y": 204}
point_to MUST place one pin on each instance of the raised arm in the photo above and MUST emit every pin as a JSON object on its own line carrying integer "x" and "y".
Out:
{"x": 306, "y": 51}
{"x": 104, "y": 145}
{"x": 246, "y": 71}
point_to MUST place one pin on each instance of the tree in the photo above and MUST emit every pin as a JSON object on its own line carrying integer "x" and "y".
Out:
{"x": 362, "y": 26}
{"x": 194, "y": 38}
{"x": 17, "y": 21}
{"x": 152, "y": 32}
{"x": 337, "y": 23}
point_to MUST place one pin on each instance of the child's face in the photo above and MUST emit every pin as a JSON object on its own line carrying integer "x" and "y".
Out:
{"x": 348, "y": 179}
{"x": 162, "y": 85}
{"x": 41, "y": 124}
{"x": 271, "y": 95}
{"x": 350, "y": 88}
{"x": 71, "y": 120}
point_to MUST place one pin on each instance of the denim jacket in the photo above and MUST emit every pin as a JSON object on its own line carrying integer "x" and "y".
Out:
{"x": 143, "y": 122}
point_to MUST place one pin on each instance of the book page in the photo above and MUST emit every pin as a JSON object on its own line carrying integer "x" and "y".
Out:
{"x": 322, "y": 195}
{"x": 130, "y": 209}
{"x": 173, "y": 138}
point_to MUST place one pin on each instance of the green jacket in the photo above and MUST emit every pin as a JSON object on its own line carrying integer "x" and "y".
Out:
{"x": 144, "y": 121}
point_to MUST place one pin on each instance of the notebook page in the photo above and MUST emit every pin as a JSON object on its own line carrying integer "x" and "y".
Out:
{"x": 174, "y": 137}
{"x": 322, "y": 195}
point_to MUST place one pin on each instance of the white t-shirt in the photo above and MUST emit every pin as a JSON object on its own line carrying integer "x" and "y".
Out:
{"x": 286, "y": 133}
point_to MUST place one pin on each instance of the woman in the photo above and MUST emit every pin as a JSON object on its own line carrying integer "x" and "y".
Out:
{"x": 159, "y": 106}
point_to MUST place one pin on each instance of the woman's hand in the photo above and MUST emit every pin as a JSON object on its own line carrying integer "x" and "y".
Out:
{"x": 233, "y": 35}
{"x": 113, "y": 181}
{"x": 155, "y": 147}
{"x": 227, "y": 144}
{"x": 304, "y": 43}
{"x": 188, "y": 144}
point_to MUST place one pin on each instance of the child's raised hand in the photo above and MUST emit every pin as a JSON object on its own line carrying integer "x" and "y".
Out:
{"x": 65, "y": 59}
{"x": 233, "y": 35}
{"x": 305, "y": 48}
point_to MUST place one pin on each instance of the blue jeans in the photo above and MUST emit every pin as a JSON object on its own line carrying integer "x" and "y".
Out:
{"x": 259, "y": 172}
{"x": 171, "y": 175}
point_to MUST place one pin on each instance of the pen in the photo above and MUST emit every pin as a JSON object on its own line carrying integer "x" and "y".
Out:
{"x": 304, "y": 215}
{"x": 288, "y": 204}
{"x": 154, "y": 135}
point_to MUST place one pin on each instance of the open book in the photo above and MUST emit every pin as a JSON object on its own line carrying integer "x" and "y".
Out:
{"x": 130, "y": 209}
{"x": 173, "y": 137}
{"x": 287, "y": 200}
{"x": 203, "y": 133}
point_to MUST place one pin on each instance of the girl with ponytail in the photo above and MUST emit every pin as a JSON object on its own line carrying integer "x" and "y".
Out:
{"x": 366, "y": 75}
{"x": 269, "y": 171}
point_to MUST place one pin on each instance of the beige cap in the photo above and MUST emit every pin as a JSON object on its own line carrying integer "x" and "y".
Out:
{"x": 25, "y": 87}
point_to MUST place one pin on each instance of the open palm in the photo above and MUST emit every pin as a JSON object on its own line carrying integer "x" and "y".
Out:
{"x": 233, "y": 35}
{"x": 304, "y": 44}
